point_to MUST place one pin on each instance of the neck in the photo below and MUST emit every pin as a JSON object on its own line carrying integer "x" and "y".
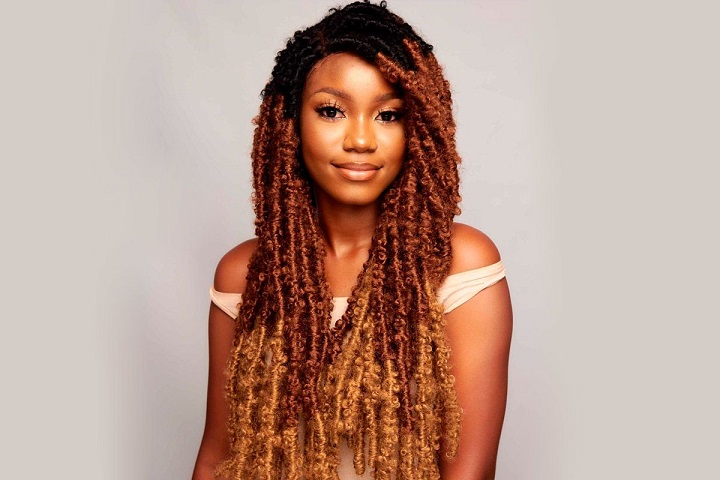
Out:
{"x": 347, "y": 228}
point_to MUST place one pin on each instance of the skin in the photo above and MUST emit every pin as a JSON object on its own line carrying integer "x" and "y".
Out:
{"x": 351, "y": 115}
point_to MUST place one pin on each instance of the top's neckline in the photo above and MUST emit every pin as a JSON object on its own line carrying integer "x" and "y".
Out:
{"x": 458, "y": 275}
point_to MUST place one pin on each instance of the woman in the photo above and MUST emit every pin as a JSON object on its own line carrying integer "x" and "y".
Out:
{"x": 363, "y": 333}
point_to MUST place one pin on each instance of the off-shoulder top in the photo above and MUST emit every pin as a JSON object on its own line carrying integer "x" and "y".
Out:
{"x": 456, "y": 290}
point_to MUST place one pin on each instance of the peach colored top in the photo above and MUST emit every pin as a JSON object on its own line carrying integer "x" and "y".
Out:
{"x": 456, "y": 290}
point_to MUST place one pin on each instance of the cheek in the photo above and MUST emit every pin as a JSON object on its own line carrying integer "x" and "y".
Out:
{"x": 316, "y": 143}
{"x": 395, "y": 148}
{"x": 402, "y": 146}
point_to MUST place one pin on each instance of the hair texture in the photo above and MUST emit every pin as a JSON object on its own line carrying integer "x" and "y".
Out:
{"x": 379, "y": 378}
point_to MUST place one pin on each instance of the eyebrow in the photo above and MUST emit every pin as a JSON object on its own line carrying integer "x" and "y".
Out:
{"x": 346, "y": 96}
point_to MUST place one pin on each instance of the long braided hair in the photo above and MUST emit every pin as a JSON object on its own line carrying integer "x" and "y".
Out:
{"x": 379, "y": 378}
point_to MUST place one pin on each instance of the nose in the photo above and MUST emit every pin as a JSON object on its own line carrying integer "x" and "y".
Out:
{"x": 360, "y": 135}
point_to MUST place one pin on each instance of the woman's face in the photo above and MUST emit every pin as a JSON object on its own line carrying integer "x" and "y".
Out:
{"x": 352, "y": 134}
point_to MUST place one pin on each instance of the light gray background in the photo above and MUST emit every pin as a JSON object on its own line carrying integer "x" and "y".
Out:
{"x": 588, "y": 133}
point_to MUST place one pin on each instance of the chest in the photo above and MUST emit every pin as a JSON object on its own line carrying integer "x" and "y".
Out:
{"x": 342, "y": 273}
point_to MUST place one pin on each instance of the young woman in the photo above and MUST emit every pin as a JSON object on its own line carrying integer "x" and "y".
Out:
{"x": 363, "y": 333}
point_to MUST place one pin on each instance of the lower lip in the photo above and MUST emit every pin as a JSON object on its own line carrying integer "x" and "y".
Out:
{"x": 357, "y": 175}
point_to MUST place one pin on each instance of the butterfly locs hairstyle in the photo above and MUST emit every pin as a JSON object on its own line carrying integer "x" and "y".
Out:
{"x": 379, "y": 379}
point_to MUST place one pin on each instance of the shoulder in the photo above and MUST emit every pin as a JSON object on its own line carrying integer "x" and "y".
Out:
{"x": 471, "y": 249}
{"x": 233, "y": 267}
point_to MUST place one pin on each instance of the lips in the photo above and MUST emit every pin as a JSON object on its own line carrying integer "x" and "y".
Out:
{"x": 357, "y": 171}
{"x": 358, "y": 167}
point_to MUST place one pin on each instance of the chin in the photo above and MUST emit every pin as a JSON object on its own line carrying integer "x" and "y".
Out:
{"x": 358, "y": 199}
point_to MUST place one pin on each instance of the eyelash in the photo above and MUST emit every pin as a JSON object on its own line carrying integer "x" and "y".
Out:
{"x": 325, "y": 108}
{"x": 397, "y": 114}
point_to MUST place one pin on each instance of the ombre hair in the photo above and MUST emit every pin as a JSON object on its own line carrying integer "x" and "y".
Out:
{"x": 379, "y": 379}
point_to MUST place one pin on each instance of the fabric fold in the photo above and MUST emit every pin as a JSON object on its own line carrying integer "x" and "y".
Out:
{"x": 461, "y": 287}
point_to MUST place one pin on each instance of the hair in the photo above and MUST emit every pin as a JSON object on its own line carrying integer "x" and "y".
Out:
{"x": 379, "y": 378}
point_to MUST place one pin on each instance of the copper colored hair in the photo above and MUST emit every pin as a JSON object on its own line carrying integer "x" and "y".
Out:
{"x": 379, "y": 379}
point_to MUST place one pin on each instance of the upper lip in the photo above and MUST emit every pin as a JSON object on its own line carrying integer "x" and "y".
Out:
{"x": 360, "y": 167}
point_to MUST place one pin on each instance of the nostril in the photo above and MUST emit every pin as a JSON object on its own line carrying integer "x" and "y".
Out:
{"x": 359, "y": 140}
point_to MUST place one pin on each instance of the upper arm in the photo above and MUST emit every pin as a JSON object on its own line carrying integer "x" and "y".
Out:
{"x": 233, "y": 267}
{"x": 229, "y": 277}
{"x": 478, "y": 333}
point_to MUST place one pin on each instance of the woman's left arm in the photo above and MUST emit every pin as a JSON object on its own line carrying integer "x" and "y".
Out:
{"x": 479, "y": 333}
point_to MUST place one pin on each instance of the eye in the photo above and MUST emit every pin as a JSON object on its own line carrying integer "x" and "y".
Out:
{"x": 330, "y": 111}
{"x": 389, "y": 116}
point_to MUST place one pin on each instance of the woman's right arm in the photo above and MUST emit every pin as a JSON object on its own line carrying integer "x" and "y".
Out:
{"x": 229, "y": 277}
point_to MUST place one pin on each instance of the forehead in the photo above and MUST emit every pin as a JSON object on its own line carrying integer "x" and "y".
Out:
{"x": 349, "y": 73}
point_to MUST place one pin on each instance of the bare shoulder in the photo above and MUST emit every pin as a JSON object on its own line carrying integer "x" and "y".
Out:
{"x": 471, "y": 249}
{"x": 479, "y": 333}
{"x": 233, "y": 267}
{"x": 230, "y": 278}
